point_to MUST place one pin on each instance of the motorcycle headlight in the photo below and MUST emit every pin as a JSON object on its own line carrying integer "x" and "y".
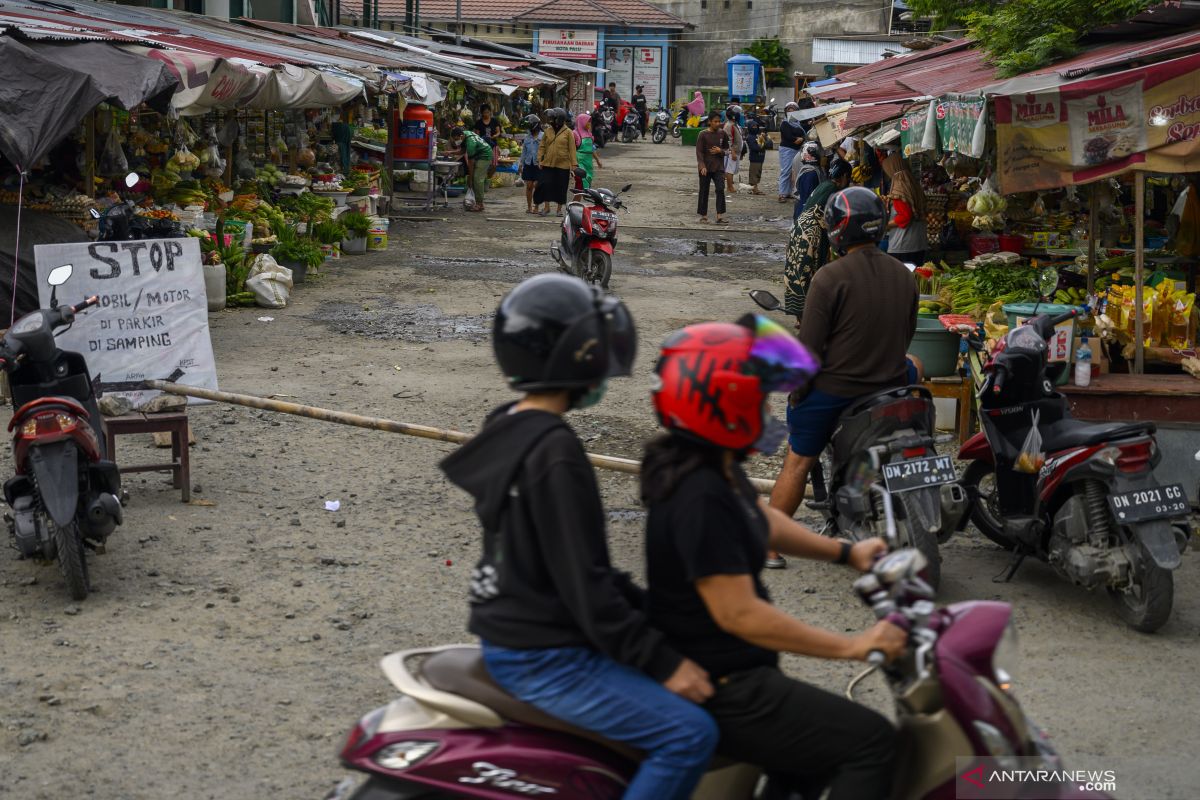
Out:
{"x": 1006, "y": 658}
{"x": 403, "y": 755}
{"x": 997, "y": 745}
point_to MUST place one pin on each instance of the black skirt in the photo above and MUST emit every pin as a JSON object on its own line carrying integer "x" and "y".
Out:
{"x": 552, "y": 186}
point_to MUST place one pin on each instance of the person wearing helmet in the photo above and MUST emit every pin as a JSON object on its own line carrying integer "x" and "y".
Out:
{"x": 791, "y": 136}
{"x": 557, "y": 159}
{"x": 859, "y": 316}
{"x": 562, "y": 629}
{"x": 707, "y": 535}
{"x": 529, "y": 160}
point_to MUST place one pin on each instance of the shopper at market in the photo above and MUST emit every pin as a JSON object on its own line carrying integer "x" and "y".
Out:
{"x": 562, "y": 629}
{"x": 756, "y": 144}
{"x": 907, "y": 238}
{"x": 585, "y": 149}
{"x": 488, "y": 128}
{"x": 556, "y": 159}
{"x": 707, "y": 534}
{"x": 712, "y": 146}
{"x": 791, "y": 137}
{"x": 809, "y": 175}
{"x": 529, "y": 160}
{"x": 859, "y": 316}
{"x": 737, "y": 141}
{"x": 478, "y": 157}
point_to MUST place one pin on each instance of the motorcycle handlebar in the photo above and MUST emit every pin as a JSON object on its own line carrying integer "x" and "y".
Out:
{"x": 1054, "y": 321}
{"x": 1001, "y": 376}
{"x": 876, "y": 658}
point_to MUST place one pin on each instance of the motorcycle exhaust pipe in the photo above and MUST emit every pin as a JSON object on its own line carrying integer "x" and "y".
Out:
{"x": 104, "y": 509}
{"x": 955, "y": 504}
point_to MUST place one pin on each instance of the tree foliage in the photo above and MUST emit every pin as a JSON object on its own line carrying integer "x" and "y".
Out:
{"x": 772, "y": 53}
{"x": 1021, "y": 35}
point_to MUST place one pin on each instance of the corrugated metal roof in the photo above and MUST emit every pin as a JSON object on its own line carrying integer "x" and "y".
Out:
{"x": 862, "y": 115}
{"x": 623, "y": 13}
{"x": 849, "y": 51}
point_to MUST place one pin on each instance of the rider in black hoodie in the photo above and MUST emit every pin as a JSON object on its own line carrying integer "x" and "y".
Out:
{"x": 561, "y": 628}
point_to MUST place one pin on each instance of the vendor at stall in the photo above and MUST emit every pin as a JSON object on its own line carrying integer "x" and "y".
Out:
{"x": 487, "y": 127}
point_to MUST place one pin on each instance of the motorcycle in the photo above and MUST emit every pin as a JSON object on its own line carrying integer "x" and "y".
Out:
{"x": 662, "y": 123}
{"x": 1094, "y": 509}
{"x": 589, "y": 234}
{"x": 121, "y": 223}
{"x": 631, "y": 128}
{"x": 887, "y": 478}
{"x": 680, "y": 123}
{"x": 604, "y": 126}
{"x": 454, "y": 732}
{"x": 65, "y": 493}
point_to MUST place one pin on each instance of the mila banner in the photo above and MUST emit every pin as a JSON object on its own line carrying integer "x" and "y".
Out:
{"x": 1145, "y": 119}
{"x": 152, "y": 318}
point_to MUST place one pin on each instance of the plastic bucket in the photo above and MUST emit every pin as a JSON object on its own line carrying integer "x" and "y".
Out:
{"x": 1012, "y": 243}
{"x": 936, "y": 347}
{"x": 377, "y": 237}
{"x": 978, "y": 244}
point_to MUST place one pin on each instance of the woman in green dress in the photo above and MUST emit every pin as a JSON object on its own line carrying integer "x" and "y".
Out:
{"x": 585, "y": 148}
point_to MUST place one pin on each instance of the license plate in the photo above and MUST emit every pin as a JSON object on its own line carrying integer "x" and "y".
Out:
{"x": 1157, "y": 502}
{"x": 904, "y": 476}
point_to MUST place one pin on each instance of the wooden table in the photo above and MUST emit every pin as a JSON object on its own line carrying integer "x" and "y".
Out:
{"x": 175, "y": 424}
{"x": 962, "y": 390}
{"x": 1135, "y": 398}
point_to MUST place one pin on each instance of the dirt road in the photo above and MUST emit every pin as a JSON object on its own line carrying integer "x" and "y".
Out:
{"x": 231, "y": 643}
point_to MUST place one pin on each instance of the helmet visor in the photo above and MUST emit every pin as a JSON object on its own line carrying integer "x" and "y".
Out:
{"x": 622, "y": 335}
{"x": 781, "y": 363}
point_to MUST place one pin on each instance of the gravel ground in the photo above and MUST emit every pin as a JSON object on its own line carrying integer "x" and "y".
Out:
{"x": 231, "y": 643}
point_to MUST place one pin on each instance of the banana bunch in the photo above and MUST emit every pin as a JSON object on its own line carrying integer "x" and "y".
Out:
{"x": 860, "y": 174}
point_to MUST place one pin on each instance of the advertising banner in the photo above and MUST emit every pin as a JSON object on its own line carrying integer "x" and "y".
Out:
{"x": 573, "y": 43}
{"x": 630, "y": 66}
{"x": 1145, "y": 119}
{"x": 958, "y": 116}
{"x": 912, "y": 130}
{"x": 152, "y": 318}
{"x": 742, "y": 79}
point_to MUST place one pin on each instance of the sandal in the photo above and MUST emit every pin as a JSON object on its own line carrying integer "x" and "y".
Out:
{"x": 722, "y": 221}
{"x": 703, "y": 220}
{"x": 778, "y": 562}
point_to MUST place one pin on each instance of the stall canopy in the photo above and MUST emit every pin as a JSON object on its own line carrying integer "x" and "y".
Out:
{"x": 31, "y": 124}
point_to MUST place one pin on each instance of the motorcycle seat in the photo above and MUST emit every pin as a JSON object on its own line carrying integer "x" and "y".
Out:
{"x": 460, "y": 671}
{"x": 1068, "y": 433}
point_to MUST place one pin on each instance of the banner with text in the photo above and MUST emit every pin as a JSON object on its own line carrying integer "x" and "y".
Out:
{"x": 912, "y": 130}
{"x": 568, "y": 43}
{"x": 152, "y": 318}
{"x": 1145, "y": 119}
{"x": 958, "y": 118}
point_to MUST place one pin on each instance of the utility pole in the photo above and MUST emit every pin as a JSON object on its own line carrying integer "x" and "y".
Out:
{"x": 458, "y": 21}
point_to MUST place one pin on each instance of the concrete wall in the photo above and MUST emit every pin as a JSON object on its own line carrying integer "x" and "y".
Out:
{"x": 724, "y": 27}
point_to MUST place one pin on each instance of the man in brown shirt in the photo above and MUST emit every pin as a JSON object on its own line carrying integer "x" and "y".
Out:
{"x": 712, "y": 145}
{"x": 859, "y": 318}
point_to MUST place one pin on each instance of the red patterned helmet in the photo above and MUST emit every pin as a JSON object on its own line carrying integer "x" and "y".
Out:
{"x": 714, "y": 378}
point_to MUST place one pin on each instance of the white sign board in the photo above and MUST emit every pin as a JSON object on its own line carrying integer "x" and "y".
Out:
{"x": 630, "y": 66}
{"x": 568, "y": 43}
{"x": 152, "y": 318}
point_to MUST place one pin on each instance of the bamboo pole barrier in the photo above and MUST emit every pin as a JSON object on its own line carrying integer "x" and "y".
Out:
{"x": 615, "y": 463}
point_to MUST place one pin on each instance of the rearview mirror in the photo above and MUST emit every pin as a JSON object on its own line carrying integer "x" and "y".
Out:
{"x": 627, "y": 187}
{"x": 1047, "y": 282}
{"x": 95, "y": 214}
{"x": 773, "y": 101}
{"x": 765, "y": 299}
{"x": 911, "y": 267}
{"x": 131, "y": 180}
{"x": 59, "y": 275}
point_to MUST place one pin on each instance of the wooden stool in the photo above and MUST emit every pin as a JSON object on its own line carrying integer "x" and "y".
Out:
{"x": 962, "y": 390}
{"x": 175, "y": 424}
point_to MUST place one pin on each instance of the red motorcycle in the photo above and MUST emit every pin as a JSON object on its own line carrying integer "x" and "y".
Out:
{"x": 589, "y": 234}
{"x": 1088, "y": 503}
{"x": 64, "y": 495}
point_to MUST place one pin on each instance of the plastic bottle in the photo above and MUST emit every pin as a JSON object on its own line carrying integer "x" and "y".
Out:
{"x": 1083, "y": 363}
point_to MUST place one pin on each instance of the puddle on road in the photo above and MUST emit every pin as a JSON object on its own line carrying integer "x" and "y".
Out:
{"x": 709, "y": 247}
{"x": 383, "y": 318}
{"x": 474, "y": 269}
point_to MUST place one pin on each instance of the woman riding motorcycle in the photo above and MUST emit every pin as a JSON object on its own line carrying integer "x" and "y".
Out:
{"x": 561, "y": 629}
{"x": 706, "y": 543}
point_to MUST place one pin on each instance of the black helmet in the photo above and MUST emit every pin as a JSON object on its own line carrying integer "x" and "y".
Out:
{"x": 839, "y": 168}
{"x": 556, "y": 332}
{"x": 532, "y": 122}
{"x": 854, "y": 216}
{"x": 556, "y": 115}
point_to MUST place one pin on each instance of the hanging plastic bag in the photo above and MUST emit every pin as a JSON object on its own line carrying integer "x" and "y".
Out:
{"x": 184, "y": 160}
{"x": 270, "y": 282}
{"x": 469, "y": 197}
{"x": 1032, "y": 455}
{"x": 112, "y": 159}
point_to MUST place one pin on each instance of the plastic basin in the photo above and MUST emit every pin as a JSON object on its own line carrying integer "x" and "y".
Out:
{"x": 936, "y": 347}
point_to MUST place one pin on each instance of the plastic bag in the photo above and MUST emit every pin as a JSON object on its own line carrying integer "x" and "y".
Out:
{"x": 469, "y": 197}
{"x": 1032, "y": 455}
{"x": 112, "y": 159}
{"x": 270, "y": 282}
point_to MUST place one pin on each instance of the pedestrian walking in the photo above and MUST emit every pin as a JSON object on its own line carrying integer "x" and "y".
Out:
{"x": 756, "y": 143}
{"x": 556, "y": 159}
{"x": 809, "y": 175}
{"x": 529, "y": 160}
{"x": 585, "y": 150}
{"x": 712, "y": 146}
{"x": 737, "y": 141}
{"x": 791, "y": 136}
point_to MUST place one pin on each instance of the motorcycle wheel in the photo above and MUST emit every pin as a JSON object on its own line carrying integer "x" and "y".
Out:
{"x": 676, "y": 131}
{"x": 1147, "y": 606}
{"x": 595, "y": 267}
{"x": 979, "y": 481}
{"x": 72, "y": 561}
{"x": 626, "y": 137}
{"x": 926, "y": 542}
{"x": 660, "y": 135}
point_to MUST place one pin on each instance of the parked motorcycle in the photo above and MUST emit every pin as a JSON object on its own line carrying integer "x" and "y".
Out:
{"x": 631, "y": 126}
{"x": 121, "y": 223}
{"x": 454, "y": 732}
{"x": 1094, "y": 510}
{"x": 604, "y": 126}
{"x": 65, "y": 491}
{"x": 887, "y": 478}
{"x": 589, "y": 234}
{"x": 662, "y": 125}
{"x": 680, "y": 123}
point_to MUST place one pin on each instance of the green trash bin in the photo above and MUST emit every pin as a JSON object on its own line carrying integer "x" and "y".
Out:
{"x": 936, "y": 347}
{"x": 688, "y": 136}
{"x": 1062, "y": 345}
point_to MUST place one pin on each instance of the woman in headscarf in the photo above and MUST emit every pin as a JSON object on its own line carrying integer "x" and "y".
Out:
{"x": 907, "y": 238}
{"x": 696, "y": 107}
{"x": 556, "y": 160}
{"x": 585, "y": 149}
{"x": 809, "y": 175}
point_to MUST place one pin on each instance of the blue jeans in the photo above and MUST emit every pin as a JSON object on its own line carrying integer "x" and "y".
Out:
{"x": 587, "y": 689}
{"x": 787, "y": 184}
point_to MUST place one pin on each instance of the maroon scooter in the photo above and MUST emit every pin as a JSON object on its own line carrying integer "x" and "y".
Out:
{"x": 454, "y": 733}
